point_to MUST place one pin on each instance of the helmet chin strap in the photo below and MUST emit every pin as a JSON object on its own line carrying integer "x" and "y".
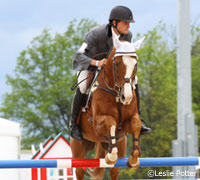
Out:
{"x": 115, "y": 26}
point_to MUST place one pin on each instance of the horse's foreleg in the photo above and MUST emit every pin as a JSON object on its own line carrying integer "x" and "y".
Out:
{"x": 133, "y": 161}
{"x": 134, "y": 129}
{"x": 111, "y": 156}
{"x": 114, "y": 172}
{"x": 105, "y": 127}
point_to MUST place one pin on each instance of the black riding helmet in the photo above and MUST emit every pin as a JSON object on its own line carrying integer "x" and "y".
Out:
{"x": 121, "y": 13}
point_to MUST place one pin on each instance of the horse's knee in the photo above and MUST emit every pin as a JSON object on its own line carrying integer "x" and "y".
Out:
{"x": 136, "y": 126}
{"x": 105, "y": 122}
{"x": 110, "y": 121}
{"x": 133, "y": 125}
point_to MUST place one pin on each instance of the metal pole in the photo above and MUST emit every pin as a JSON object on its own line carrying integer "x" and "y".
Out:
{"x": 186, "y": 143}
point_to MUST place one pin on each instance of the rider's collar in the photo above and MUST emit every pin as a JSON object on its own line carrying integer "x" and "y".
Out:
{"x": 123, "y": 48}
{"x": 109, "y": 31}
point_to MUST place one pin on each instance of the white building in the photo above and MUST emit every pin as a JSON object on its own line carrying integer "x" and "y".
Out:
{"x": 10, "y": 137}
{"x": 54, "y": 148}
{"x": 10, "y": 144}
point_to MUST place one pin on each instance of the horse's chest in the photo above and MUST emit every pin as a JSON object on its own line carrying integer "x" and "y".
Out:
{"x": 126, "y": 112}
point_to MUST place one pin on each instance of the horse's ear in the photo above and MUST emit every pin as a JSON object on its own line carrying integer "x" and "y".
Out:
{"x": 116, "y": 41}
{"x": 138, "y": 43}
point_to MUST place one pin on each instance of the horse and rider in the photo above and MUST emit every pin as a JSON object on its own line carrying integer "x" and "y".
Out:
{"x": 99, "y": 42}
{"x": 113, "y": 96}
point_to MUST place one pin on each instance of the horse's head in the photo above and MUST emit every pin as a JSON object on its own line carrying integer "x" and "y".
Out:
{"x": 124, "y": 67}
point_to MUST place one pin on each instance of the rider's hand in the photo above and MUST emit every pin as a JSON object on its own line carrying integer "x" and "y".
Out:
{"x": 102, "y": 62}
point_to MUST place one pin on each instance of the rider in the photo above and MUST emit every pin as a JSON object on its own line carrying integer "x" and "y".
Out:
{"x": 92, "y": 54}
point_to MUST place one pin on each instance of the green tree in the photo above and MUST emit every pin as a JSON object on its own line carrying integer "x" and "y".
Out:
{"x": 41, "y": 96}
{"x": 195, "y": 49}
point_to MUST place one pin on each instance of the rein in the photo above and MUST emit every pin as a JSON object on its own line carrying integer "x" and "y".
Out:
{"x": 76, "y": 84}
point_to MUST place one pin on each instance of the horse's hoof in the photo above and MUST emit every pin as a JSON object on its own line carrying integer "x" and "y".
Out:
{"x": 108, "y": 161}
{"x": 132, "y": 165}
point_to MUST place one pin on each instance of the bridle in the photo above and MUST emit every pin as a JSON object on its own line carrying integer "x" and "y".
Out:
{"x": 117, "y": 76}
{"x": 117, "y": 89}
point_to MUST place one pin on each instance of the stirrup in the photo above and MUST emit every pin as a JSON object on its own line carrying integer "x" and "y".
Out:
{"x": 146, "y": 124}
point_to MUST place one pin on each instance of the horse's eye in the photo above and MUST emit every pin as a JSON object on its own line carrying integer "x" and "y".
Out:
{"x": 116, "y": 64}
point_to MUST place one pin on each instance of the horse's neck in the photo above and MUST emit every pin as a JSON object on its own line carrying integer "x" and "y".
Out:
{"x": 109, "y": 77}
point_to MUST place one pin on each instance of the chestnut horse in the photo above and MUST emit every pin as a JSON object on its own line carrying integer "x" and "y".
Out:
{"x": 112, "y": 114}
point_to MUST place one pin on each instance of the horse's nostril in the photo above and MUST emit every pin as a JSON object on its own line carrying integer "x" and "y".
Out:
{"x": 123, "y": 97}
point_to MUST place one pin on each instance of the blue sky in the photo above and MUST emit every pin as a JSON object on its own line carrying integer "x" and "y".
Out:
{"x": 22, "y": 20}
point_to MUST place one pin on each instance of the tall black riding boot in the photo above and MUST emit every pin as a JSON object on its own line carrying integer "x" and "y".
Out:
{"x": 144, "y": 129}
{"x": 75, "y": 130}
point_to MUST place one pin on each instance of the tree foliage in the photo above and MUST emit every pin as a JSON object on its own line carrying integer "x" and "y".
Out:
{"x": 41, "y": 96}
{"x": 195, "y": 49}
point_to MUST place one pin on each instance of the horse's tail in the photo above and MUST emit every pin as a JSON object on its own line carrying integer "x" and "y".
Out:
{"x": 100, "y": 153}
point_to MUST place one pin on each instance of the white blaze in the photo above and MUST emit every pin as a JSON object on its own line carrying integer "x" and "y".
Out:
{"x": 130, "y": 63}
